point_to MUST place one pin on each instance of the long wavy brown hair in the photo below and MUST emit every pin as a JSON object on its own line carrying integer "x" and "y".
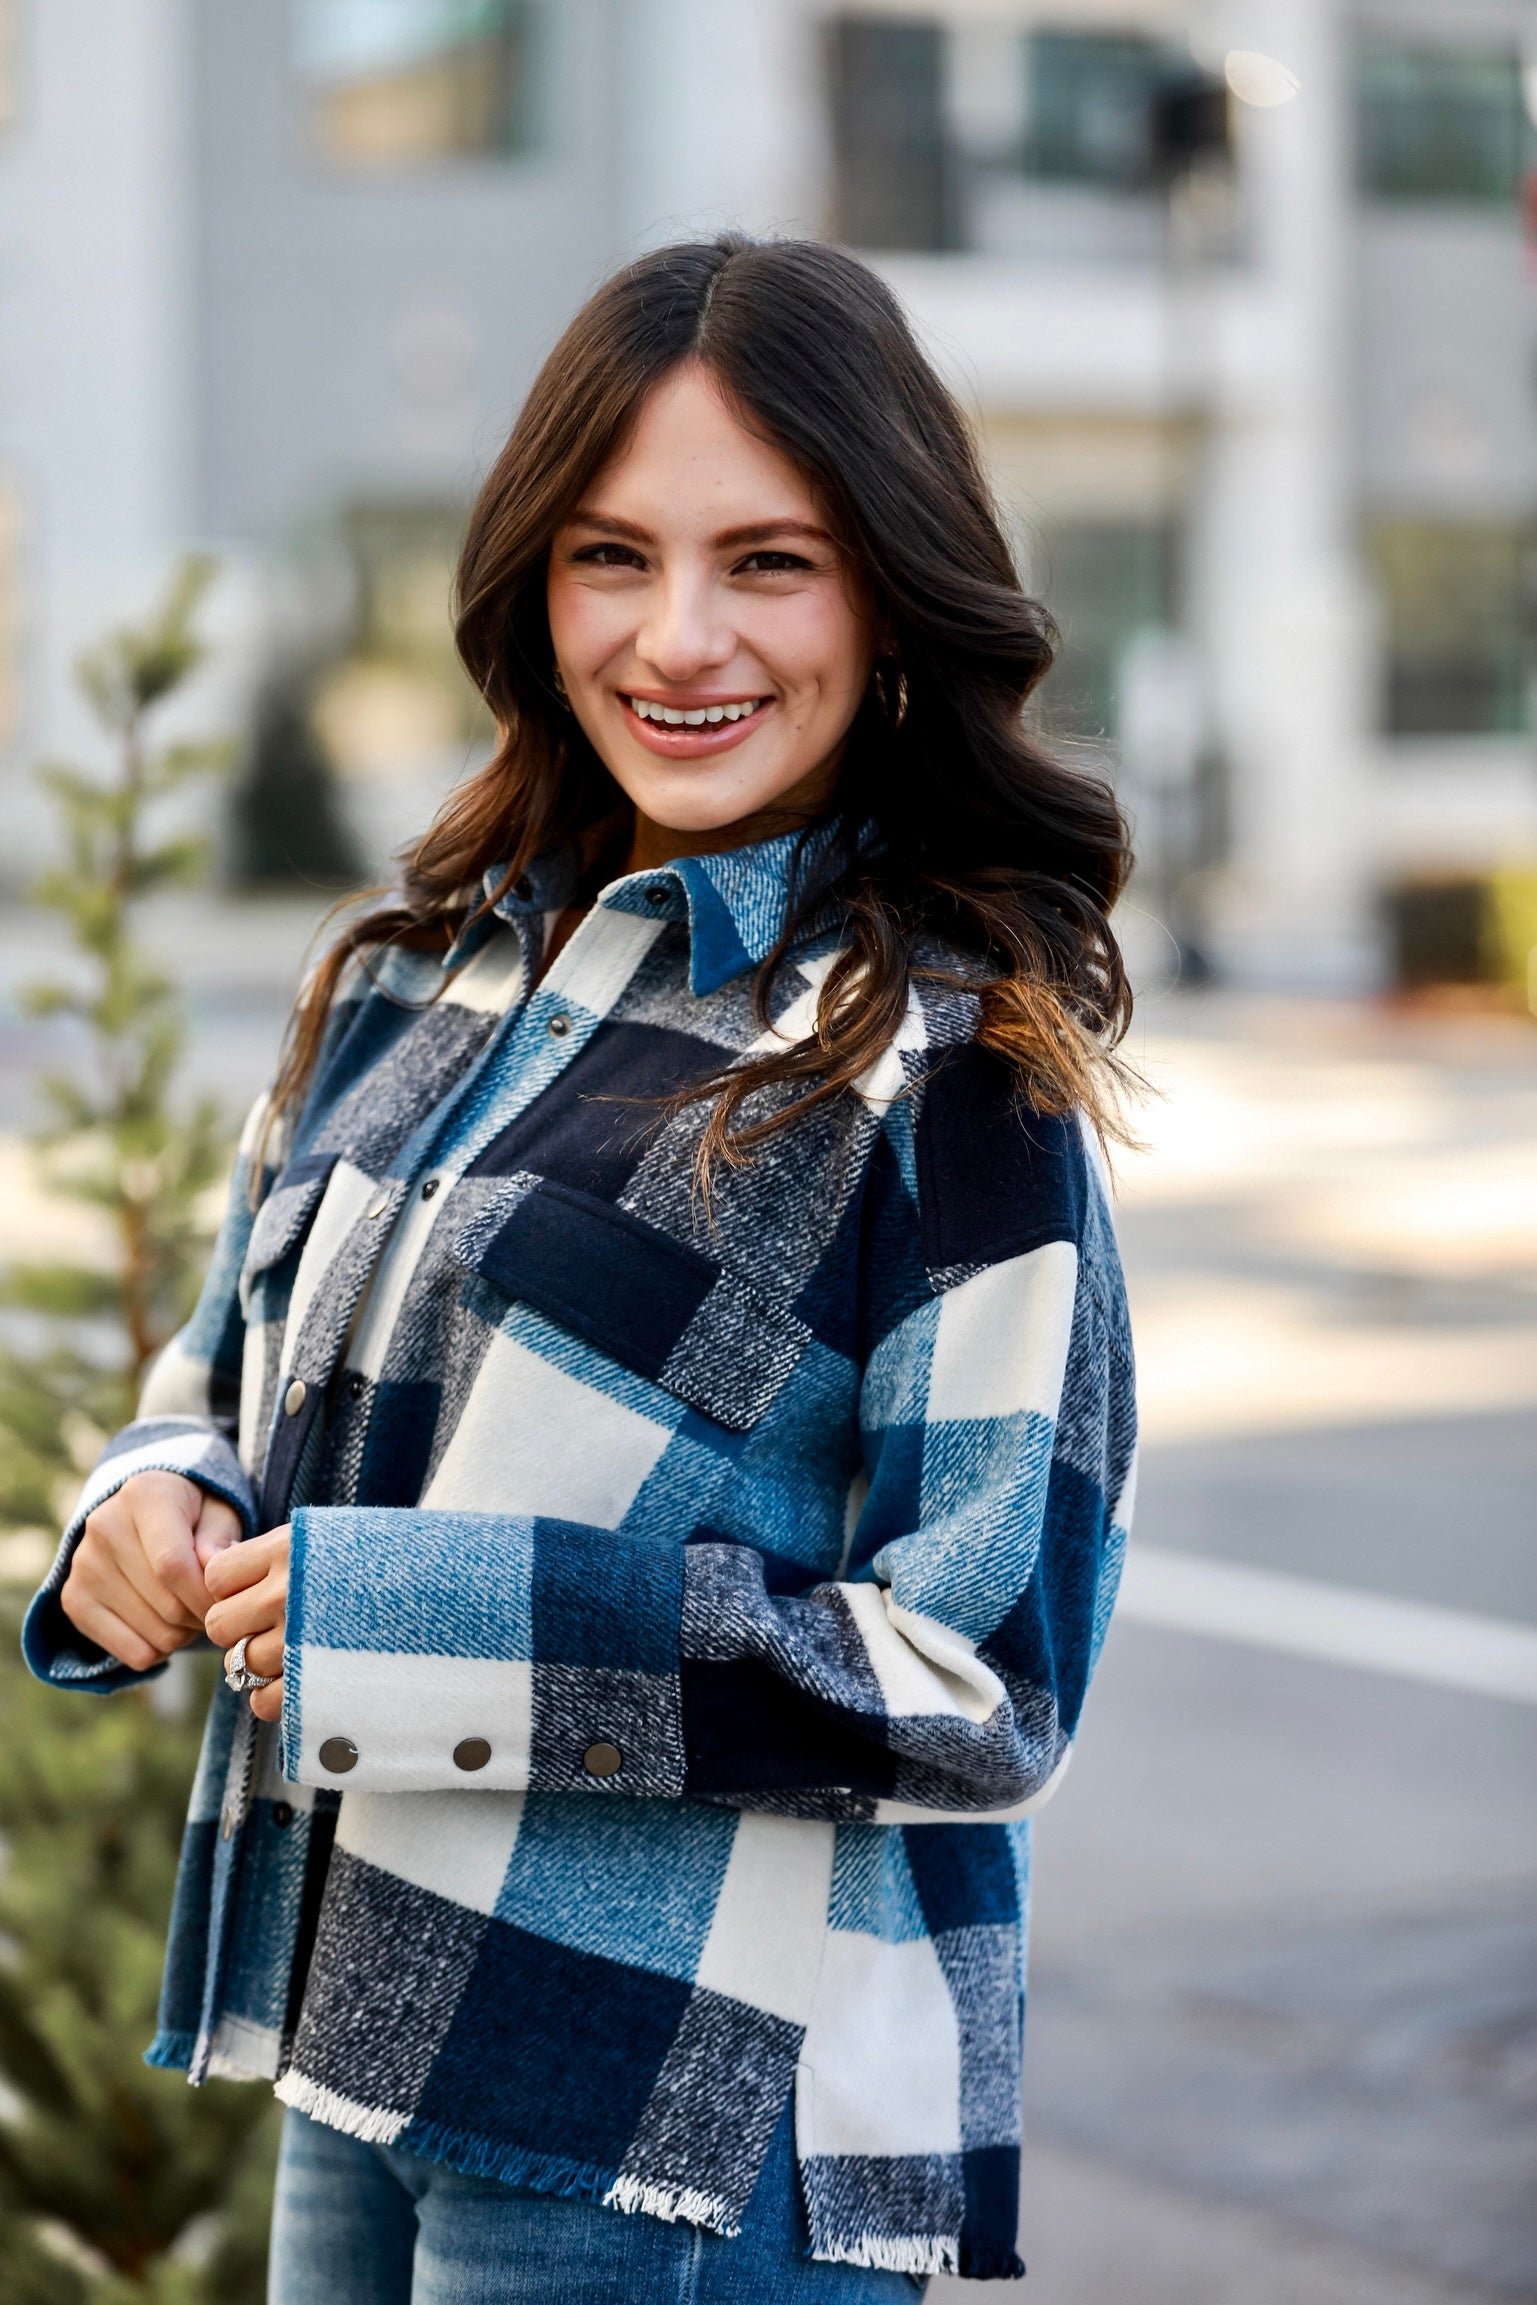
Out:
{"x": 991, "y": 851}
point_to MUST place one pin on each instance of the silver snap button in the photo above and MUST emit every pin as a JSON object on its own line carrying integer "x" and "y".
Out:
{"x": 430, "y": 1186}
{"x": 295, "y": 1397}
{"x": 603, "y": 1759}
{"x": 377, "y": 1208}
{"x": 338, "y": 1755}
{"x": 559, "y": 1026}
{"x": 471, "y": 1753}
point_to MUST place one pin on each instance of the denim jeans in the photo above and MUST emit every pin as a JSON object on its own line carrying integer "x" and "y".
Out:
{"x": 357, "y": 2224}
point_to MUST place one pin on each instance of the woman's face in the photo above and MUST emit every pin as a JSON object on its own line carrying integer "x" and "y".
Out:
{"x": 713, "y": 642}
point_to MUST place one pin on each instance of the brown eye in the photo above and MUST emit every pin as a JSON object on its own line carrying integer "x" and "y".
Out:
{"x": 608, "y": 556}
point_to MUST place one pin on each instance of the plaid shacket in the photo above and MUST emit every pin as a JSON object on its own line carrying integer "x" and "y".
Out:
{"x": 687, "y": 1606}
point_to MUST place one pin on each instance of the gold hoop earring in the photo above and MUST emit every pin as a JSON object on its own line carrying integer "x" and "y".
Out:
{"x": 891, "y": 692}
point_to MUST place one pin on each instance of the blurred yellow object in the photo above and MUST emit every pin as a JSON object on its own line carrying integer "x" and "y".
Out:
{"x": 1512, "y": 931}
{"x": 1474, "y": 930}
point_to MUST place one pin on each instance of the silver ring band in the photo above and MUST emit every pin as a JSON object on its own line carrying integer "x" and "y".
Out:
{"x": 238, "y": 1673}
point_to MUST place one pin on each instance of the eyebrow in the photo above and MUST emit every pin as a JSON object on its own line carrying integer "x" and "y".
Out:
{"x": 754, "y": 532}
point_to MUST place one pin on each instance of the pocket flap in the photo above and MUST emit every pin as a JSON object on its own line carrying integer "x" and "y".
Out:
{"x": 286, "y": 1212}
{"x": 656, "y": 1304}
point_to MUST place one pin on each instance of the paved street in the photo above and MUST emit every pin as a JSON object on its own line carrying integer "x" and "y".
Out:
{"x": 1283, "y": 2030}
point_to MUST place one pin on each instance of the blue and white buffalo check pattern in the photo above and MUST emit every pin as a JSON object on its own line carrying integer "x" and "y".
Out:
{"x": 809, "y": 1506}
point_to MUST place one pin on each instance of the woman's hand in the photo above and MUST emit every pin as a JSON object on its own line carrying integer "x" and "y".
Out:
{"x": 135, "y": 1585}
{"x": 248, "y": 1592}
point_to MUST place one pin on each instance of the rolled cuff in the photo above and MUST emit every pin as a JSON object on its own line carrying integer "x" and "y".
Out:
{"x": 476, "y": 1650}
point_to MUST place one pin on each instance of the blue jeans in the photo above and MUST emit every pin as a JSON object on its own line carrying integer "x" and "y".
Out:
{"x": 358, "y": 2224}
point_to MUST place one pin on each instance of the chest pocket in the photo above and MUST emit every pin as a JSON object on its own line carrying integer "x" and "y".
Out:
{"x": 653, "y": 1303}
{"x": 283, "y": 1220}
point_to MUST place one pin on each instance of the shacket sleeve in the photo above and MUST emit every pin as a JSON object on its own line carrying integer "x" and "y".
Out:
{"x": 940, "y": 1676}
{"x": 187, "y": 1422}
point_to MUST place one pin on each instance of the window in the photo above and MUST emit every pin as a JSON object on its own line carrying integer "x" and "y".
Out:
{"x": 978, "y": 135}
{"x": 1459, "y": 606}
{"x": 1104, "y": 582}
{"x": 1439, "y": 123}
{"x": 892, "y": 171}
{"x": 1091, "y": 105}
{"x": 398, "y": 83}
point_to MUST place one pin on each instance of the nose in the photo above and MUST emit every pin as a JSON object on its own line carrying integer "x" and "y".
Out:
{"x": 685, "y": 631}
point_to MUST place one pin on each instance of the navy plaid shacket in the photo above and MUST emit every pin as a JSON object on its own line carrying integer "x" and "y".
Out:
{"x": 706, "y": 1597}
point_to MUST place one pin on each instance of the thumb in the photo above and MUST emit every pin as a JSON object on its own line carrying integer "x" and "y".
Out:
{"x": 218, "y": 1526}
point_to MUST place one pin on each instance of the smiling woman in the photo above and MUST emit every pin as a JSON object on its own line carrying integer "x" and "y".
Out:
{"x": 667, "y": 1362}
{"x": 701, "y": 613}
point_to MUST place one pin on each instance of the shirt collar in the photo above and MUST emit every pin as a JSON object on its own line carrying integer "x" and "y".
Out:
{"x": 733, "y": 901}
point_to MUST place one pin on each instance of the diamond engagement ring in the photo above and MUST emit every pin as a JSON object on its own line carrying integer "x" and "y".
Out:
{"x": 239, "y": 1674}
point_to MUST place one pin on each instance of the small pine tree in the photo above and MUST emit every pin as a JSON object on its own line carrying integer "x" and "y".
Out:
{"x": 116, "y": 2182}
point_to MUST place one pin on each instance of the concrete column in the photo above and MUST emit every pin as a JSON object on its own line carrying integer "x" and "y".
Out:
{"x": 97, "y": 408}
{"x": 1278, "y": 597}
{"x": 717, "y": 117}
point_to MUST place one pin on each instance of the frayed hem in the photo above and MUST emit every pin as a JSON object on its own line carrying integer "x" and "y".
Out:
{"x": 370, "y": 2124}
{"x": 673, "y": 2204}
{"x": 1008, "y": 2267}
{"x": 511, "y": 2165}
{"x": 918, "y": 2253}
{"x": 172, "y": 2051}
{"x": 547, "y": 2173}
{"x": 222, "y": 2066}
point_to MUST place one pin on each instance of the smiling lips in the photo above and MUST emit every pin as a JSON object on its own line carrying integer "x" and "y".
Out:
{"x": 686, "y": 728}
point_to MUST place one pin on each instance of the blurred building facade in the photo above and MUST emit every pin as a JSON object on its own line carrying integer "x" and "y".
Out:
{"x": 1241, "y": 295}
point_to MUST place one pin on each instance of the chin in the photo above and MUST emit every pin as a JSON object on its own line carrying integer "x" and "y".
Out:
{"x": 680, "y": 804}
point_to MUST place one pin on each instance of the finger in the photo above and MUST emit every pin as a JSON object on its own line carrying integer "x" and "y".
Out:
{"x": 237, "y": 1566}
{"x": 264, "y": 1653}
{"x": 127, "y": 1560}
{"x": 130, "y": 1631}
{"x": 218, "y": 1527}
{"x": 243, "y": 1615}
{"x": 91, "y": 1617}
{"x": 162, "y": 1538}
{"x": 267, "y": 1704}
{"x": 100, "y": 1574}
{"x": 119, "y": 1640}
{"x": 135, "y": 1571}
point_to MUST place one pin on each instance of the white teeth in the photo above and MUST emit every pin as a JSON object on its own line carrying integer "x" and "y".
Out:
{"x": 697, "y": 717}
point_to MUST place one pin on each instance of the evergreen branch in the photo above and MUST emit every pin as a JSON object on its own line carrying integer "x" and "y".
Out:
{"x": 26, "y": 2060}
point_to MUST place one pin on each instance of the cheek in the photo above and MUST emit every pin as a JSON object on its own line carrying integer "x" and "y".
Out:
{"x": 585, "y": 625}
{"x": 819, "y": 642}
